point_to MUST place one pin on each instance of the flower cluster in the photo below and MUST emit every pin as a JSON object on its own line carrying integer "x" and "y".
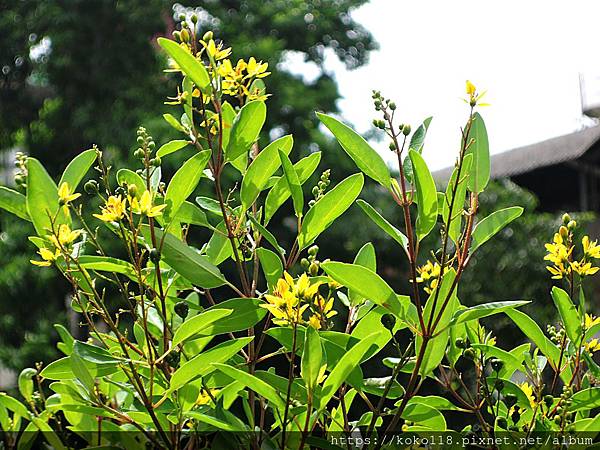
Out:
{"x": 116, "y": 207}
{"x": 560, "y": 253}
{"x": 291, "y": 299}
{"x": 429, "y": 273}
{"x": 237, "y": 81}
{"x": 60, "y": 241}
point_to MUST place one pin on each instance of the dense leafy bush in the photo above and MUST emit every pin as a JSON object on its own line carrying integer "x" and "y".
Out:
{"x": 273, "y": 355}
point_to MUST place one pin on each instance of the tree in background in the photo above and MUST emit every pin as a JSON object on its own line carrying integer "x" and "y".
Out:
{"x": 64, "y": 64}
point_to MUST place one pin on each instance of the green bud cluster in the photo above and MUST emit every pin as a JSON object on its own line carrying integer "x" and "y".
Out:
{"x": 21, "y": 172}
{"x": 319, "y": 190}
{"x": 556, "y": 336}
{"x": 311, "y": 264}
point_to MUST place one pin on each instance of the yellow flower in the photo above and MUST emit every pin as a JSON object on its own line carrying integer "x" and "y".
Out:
{"x": 559, "y": 255}
{"x": 470, "y": 89}
{"x": 315, "y": 322}
{"x": 285, "y": 303}
{"x": 204, "y": 398}
{"x": 65, "y": 236}
{"x": 216, "y": 52}
{"x": 48, "y": 257}
{"x": 528, "y": 391}
{"x": 584, "y": 269}
{"x": 144, "y": 205}
{"x": 65, "y": 196}
{"x": 113, "y": 211}
{"x": 590, "y": 321}
{"x": 592, "y": 346}
{"x": 590, "y": 249}
{"x": 257, "y": 69}
{"x": 429, "y": 272}
{"x": 473, "y": 97}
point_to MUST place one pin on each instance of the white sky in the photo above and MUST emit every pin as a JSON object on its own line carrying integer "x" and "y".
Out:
{"x": 527, "y": 54}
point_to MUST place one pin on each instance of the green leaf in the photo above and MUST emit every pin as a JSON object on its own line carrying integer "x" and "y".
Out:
{"x": 25, "y": 383}
{"x": 568, "y": 314}
{"x": 219, "y": 247}
{"x": 186, "y": 261}
{"x": 426, "y": 196}
{"x": 293, "y": 183}
{"x": 417, "y": 142}
{"x": 61, "y": 369}
{"x": 108, "y": 264}
{"x": 312, "y": 358}
{"x": 511, "y": 362}
{"x": 77, "y": 169}
{"x": 376, "y": 386}
{"x": 200, "y": 366}
{"x": 533, "y": 332}
{"x": 436, "y": 347}
{"x": 246, "y": 314}
{"x": 94, "y": 354}
{"x": 174, "y": 122}
{"x": 364, "y": 156}
{"x": 366, "y": 258}
{"x": 328, "y": 208}
{"x": 266, "y": 234}
{"x": 366, "y": 283}
{"x": 484, "y": 310}
{"x": 14, "y": 202}
{"x": 246, "y": 128}
{"x": 271, "y": 265}
{"x": 256, "y": 384}
{"x": 126, "y": 177}
{"x": 211, "y": 420}
{"x": 171, "y": 147}
{"x": 492, "y": 224}
{"x": 191, "y": 214}
{"x": 280, "y": 191}
{"x": 13, "y": 405}
{"x": 42, "y": 197}
{"x": 343, "y": 368}
{"x": 260, "y": 170}
{"x": 189, "y": 65}
{"x": 195, "y": 325}
{"x": 436, "y": 402}
{"x": 424, "y": 415}
{"x": 455, "y": 216}
{"x": 184, "y": 182}
{"x": 480, "y": 149}
{"x": 382, "y": 223}
{"x": 586, "y": 399}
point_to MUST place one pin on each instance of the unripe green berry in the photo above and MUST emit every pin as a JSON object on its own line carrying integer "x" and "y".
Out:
{"x": 502, "y": 423}
{"x": 469, "y": 353}
{"x": 154, "y": 256}
{"x": 388, "y": 321}
{"x": 91, "y": 187}
{"x": 548, "y": 400}
{"x": 182, "y": 309}
{"x": 497, "y": 364}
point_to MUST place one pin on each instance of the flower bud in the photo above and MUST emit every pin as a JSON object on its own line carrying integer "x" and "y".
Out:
{"x": 177, "y": 35}
{"x": 499, "y": 385}
{"x": 182, "y": 309}
{"x": 548, "y": 400}
{"x": 566, "y": 218}
{"x": 185, "y": 35}
{"x": 139, "y": 153}
{"x": 132, "y": 190}
{"x": 572, "y": 225}
{"x": 155, "y": 161}
{"x": 194, "y": 18}
{"x": 312, "y": 251}
{"x": 392, "y": 106}
{"x": 313, "y": 269}
{"x": 406, "y": 130}
{"x": 207, "y": 36}
{"x": 460, "y": 343}
{"x": 393, "y": 146}
{"x": 564, "y": 233}
{"x": 304, "y": 263}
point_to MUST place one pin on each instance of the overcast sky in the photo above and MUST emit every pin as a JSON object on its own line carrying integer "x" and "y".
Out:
{"x": 526, "y": 54}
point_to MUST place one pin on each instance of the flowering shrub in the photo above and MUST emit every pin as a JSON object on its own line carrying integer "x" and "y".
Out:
{"x": 182, "y": 362}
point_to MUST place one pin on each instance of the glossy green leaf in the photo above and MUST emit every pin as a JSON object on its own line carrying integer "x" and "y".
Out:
{"x": 262, "y": 167}
{"x": 13, "y": 405}
{"x": 191, "y": 214}
{"x": 126, "y": 177}
{"x": 187, "y": 262}
{"x": 171, "y": 147}
{"x": 425, "y": 416}
{"x": 256, "y": 384}
{"x": 25, "y": 383}
{"x": 366, "y": 283}
{"x": 280, "y": 191}
{"x": 271, "y": 265}
{"x": 382, "y": 223}
{"x": 363, "y": 155}
{"x": 184, "y": 182}
{"x": 246, "y": 314}
{"x": 266, "y": 234}
{"x": 417, "y": 142}
{"x": 312, "y": 358}
{"x": 480, "y": 149}
{"x": 293, "y": 183}
{"x": 328, "y": 208}
{"x": 531, "y": 329}
{"x": 174, "y": 123}
{"x": 14, "y": 202}
{"x": 245, "y": 129}
{"x": 366, "y": 258}
{"x": 343, "y": 368}
{"x": 568, "y": 314}
{"x": 586, "y": 399}
{"x": 108, "y": 264}
{"x": 436, "y": 347}
{"x": 426, "y": 196}
{"x": 195, "y": 325}
{"x": 78, "y": 168}
{"x": 492, "y": 224}
{"x": 219, "y": 247}
{"x": 211, "y": 420}
{"x": 189, "y": 65}
{"x": 484, "y": 310}
{"x": 200, "y": 365}
{"x": 455, "y": 216}
{"x": 42, "y": 197}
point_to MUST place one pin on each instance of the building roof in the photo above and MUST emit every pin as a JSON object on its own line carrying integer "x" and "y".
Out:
{"x": 534, "y": 156}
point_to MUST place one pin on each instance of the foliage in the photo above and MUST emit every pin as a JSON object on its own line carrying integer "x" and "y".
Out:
{"x": 65, "y": 64}
{"x": 183, "y": 359}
